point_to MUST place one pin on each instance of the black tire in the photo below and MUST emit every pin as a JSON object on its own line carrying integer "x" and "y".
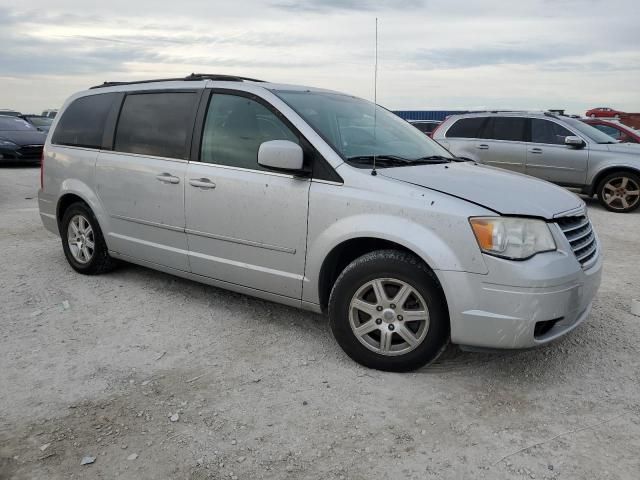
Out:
{"x": 406, "y": 268}
{"x": 100, "y": 261}
{"x": 616, "y": 205}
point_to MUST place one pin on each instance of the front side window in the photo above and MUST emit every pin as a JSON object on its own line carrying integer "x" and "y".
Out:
{"x": 157, "y": 124}
{"x": 545, "y": 131}
{"x": 235, "y": 127}
{"x": 82, "y": 123}
{"x": 467, "y": 128}
{"x": 505, "y": 128}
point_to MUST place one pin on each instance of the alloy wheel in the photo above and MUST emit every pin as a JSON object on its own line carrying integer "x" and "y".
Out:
{"x": 80, "y": 238}
{"x": 621, "y": 193}
{"x": 389, "y": 316}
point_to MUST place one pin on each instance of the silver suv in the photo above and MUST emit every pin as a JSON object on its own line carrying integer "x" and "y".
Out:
{"x": 553, "y": 147}
{"x": 322, "y": 201}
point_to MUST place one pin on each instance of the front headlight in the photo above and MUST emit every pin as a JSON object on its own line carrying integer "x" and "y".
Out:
{"x": 7, "y": 143}
{"x": 512, "y": 237}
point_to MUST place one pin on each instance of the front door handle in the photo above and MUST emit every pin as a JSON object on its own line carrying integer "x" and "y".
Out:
{"x": 167, "y": 178}
{"x": 483, "y": 146}
{"x": 202, "y": 183}
{"x": 535, "y": 150}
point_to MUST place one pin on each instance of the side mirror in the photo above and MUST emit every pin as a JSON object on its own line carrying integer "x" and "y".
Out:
{"x": 281, "y": 155}
{"x": 574, "y": 141}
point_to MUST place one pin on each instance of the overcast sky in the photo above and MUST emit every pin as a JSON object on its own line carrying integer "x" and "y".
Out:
{"x": 433, "y": 54}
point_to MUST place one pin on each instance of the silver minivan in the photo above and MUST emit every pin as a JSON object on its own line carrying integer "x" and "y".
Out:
{"x": 557, "y": 148}
{"x": 323, "y": 201}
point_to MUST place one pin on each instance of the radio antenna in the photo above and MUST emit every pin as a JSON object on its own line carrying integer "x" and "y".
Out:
{"x": 375, "y": 102}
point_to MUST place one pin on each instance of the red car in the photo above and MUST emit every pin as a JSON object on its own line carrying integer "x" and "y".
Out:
{"x": 605, "y": 112}
{"x": 615, "y": 129}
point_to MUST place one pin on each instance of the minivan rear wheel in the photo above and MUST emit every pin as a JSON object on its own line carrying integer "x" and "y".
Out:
{"x": 387, "y": 312}
{"x": 83, "y": 242}
{"x": 620, "y": 191}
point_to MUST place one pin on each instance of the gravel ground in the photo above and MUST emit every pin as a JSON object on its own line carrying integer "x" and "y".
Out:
{"x": 159, "y": 377}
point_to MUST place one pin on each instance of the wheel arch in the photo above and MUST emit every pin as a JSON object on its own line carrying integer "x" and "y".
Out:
{"x": 348, "y": 250}
{"x": 65, "y": 202}
{"x": 593, "y": 187}
{"x": 73, "y": 190}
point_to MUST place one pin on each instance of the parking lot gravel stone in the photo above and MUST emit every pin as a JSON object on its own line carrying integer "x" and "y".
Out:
{"x": 262, "y": 391}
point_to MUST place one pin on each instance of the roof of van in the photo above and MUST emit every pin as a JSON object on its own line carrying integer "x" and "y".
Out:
{"x": 205, "y": 78}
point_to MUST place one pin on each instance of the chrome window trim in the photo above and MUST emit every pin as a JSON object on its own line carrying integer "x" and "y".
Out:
{"x": 242, "y": 169}
{"x": 328, "y": 182}
{"x": 142, "y": 155}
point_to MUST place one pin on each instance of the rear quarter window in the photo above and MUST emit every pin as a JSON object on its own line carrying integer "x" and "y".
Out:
{"x": 82, "y": 123}
{"x": 466, "y": 128}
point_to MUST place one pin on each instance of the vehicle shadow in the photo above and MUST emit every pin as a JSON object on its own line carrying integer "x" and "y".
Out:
{"x": 313, "y": 329}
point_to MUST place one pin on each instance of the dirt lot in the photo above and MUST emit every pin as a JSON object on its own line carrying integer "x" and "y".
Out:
{"x": 96, "y": 366}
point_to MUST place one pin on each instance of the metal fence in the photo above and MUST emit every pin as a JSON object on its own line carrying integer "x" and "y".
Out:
{"x": 426, "y": 114}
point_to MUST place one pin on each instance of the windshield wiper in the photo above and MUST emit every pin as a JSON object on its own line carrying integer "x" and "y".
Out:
{"x": 395, "y": 161}
{"x": 434, "y": 159}
{"x": 381, "y": 160}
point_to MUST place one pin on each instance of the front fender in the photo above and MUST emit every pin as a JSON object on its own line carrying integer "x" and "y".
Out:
{"x": 426, "y": 243}
{"x": 603, "y": 167}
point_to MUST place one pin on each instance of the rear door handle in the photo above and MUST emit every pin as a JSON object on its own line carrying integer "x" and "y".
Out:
{"x": 535, "y": 150}
{"x": 167, "y": 178}
{"x": 483, "y": 146}
{"x": 202, "y": 183}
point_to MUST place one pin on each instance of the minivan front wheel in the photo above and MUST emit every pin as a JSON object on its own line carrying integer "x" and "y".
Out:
{"x": 82, "y": 241}
{"x": 387, "y": 312}
{"x": 620, "y": 192}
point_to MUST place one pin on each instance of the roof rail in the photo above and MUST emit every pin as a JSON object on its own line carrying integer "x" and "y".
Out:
{"x": 194, "y": 77}
{"x": 499, "y": 111}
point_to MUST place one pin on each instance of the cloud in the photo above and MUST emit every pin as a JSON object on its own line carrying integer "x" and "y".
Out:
{"x": 433, "y": 53}
{"x": 353, "y": 5}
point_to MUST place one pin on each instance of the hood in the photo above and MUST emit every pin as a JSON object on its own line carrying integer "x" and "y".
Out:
{"x": 498, "y": 190}
{"x": 26, "y": 137}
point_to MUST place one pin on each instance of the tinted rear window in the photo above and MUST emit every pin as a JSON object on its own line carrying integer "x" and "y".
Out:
{"x": 82, "y": 123}
{"x": 466, "y": 128}
{"x": 157, "y": 124}
{"x": 505, "y": 128}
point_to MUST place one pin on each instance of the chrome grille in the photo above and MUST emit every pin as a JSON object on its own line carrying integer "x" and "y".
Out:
{"x": 579, "y": 233}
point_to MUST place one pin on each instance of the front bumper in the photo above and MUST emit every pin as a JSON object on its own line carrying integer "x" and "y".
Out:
{"x": 501, "y": 309}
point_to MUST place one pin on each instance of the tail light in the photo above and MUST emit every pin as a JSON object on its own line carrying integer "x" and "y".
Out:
{"x": 42, "y": 170}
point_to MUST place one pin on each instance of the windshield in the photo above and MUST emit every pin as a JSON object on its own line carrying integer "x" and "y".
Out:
{"x": 356, "y": 129}
{"x": 589, "y": 131}
{"x": 15, "y": 124}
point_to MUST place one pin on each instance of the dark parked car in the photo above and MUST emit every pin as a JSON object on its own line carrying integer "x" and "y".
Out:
{"x": 9, "y": 113}
{"x": 19, "y": 140}
{"x": 426, "y": 126}
{"x": 41, "y": 123}
{"x": 616, "y": 130}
